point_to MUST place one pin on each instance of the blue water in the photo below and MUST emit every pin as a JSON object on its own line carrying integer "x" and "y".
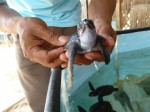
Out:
{"x": 129, "y": 70}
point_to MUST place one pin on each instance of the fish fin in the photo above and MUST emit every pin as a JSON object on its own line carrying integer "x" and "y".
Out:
{"x": 91, "y": 86}
{"x": 116, "y": 89}
{"x": 71, "y": 40}
{"x": 106, "y": 55}
{"x": 103, "y": 50}
{"x": 81, "y": 109}
{"x": 73, "y": 48}
{"x": 100, "y": 99}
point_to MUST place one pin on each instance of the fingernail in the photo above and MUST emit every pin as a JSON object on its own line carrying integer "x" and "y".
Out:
{"x": 63, "y": 39}
{"x": 89, "y": 57}
{"x": 111, "y": 41}
{"x": 64, "y": 65}
{"x": 63, "y": 57}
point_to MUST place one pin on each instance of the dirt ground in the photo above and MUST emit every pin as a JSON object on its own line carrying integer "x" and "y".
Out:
{"x": 11, "y": 91}
{"x": 20, "y": 106}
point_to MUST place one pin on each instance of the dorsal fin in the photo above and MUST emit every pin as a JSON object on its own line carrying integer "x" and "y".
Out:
{"x": 91, "y": 86}
{"x": 81, "y": 109}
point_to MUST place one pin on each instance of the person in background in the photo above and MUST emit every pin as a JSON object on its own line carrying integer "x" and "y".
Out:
{"x": 40, "y": 29}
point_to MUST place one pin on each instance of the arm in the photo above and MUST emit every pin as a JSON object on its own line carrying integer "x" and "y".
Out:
{"x": 8, "y": 18}
{"x": 37, "y": 42}
{"x": 101, "y": 11}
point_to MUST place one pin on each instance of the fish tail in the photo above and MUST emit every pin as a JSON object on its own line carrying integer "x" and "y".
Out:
{"x": 72, "y": 53}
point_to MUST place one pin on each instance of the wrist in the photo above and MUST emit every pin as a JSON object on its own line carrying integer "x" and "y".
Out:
{"x": 99, "y": 23}
{"x": 12, "y": 23}
{"x": 102, "y": 20}
{"x": 103, "y": 27}
{"x": 28, "y": 23}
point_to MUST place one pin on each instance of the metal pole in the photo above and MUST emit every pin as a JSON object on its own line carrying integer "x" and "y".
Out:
{"x": 86, "y": 9}
{"x": 53, "y": 93}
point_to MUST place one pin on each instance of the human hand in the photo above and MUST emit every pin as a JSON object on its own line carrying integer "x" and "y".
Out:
{"x": 38, "y": 43}
{"x": 103, "y": 29}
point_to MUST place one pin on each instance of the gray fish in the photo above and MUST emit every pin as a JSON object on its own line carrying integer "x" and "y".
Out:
{"x": 84, "y": 40}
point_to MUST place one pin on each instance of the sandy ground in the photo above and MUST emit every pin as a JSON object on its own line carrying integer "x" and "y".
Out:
{"x": 10, "y": 87}
{"x": 20, "y": 106}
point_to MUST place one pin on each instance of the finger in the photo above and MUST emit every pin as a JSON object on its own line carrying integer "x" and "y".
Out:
{"x": 55, "y": 63}
{"x": 109, "y": 43}
{"x": 46, "y": 57}
{"x": 63, "y": 57}
{"x": 51, "y": 37}
{"x": 80, "y": 59}
{"x": 96, "y": 56}
{"x": 55, "y": 53}
{"x": 64, "y": 65}
{"x": 114, "y": 35}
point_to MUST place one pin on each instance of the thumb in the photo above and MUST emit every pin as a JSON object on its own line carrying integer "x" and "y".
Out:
{"x": 52, "y": 37}
{"x": 109, "y": 43}
{"x": 56, "y": 39}
{"x": 63, "y": 39}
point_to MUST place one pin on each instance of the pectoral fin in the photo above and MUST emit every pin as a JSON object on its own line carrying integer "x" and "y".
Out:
{"x": 91, "y": 86}
{"x": 106, "y": 55}
{"x": 103, "y": 50}
{"x": 81, "y": 109}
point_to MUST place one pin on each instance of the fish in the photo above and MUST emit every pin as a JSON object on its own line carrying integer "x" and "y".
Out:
{"x": 100, "y": 106}
{"x": 83, "y": 41}
{"x": 102, "y": 90}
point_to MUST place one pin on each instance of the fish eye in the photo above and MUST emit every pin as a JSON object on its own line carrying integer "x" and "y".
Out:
{"x": 81, "y": 25}
{"x": 84, "y": 21}
{"x": 90, "y": 22}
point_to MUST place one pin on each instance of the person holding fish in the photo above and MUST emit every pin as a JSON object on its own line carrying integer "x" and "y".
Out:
{"x": 41, "y": 28}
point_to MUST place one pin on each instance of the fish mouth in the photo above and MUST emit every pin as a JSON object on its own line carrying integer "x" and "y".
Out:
{"x": 89, "y": 24}
{"x": 85, "y": 24}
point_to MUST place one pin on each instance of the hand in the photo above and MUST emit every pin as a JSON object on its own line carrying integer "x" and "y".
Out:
{"x": 79, "y": 59}
{"x": 104, "y": 29}
{"x": 38, "y": 43}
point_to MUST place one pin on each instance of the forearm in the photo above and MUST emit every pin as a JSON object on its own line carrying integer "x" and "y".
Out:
{"x": 8, "y": 19}
{"x": 102, "y": 9}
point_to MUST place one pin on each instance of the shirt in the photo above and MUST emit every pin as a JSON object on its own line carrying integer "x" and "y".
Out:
{"x": 59, "y": 13}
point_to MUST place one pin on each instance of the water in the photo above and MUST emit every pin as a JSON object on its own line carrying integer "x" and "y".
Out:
{"x": 134, "y": 87}
{"x": 130, "y": 73}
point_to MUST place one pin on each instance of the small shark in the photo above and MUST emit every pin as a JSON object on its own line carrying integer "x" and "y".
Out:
{"x": 84, "y": 40}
